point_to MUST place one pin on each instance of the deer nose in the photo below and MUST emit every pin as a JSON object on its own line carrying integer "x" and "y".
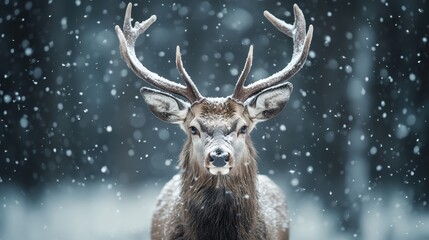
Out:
{"x": 219, "y": 157}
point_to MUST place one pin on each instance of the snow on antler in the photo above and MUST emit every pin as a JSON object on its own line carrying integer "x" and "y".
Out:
{"x": 301, "y": 45}
{"x": 127, "y": 40}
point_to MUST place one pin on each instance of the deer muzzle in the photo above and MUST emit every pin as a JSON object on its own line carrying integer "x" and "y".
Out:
{"x": 219, "y": 162}
{"x": 219, "y": 158}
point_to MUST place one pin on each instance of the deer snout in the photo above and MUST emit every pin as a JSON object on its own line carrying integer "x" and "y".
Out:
{"x": 219, "y": 158}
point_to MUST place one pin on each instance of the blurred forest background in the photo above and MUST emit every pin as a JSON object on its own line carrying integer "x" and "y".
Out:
{"x": 81, "y": 156}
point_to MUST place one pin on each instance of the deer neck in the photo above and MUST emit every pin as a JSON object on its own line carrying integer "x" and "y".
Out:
{"x": 219, "y": 207}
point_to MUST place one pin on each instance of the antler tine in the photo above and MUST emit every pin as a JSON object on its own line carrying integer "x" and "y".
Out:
{"x": 127, "y": 40}
{"x": 301, "y": 46}
{"x": 193, "y": 90}
{"x": 239, "y": 86}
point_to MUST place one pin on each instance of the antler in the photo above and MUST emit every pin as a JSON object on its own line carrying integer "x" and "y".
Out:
{"x": 301, "y": 45}
{"x": 127, "y": 41}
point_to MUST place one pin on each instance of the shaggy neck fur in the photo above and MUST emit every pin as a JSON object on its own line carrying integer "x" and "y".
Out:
{"x": 219, "y": 207}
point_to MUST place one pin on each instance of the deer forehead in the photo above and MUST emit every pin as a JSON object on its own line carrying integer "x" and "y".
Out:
{"x": 222, "y": 112}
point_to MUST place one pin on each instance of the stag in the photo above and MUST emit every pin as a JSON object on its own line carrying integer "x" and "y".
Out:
{"x": 218, "y": 193}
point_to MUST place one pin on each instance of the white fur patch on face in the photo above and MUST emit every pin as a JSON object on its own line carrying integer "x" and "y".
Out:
{"x": 219, "y": 170}
{"x": 197, "y": 145}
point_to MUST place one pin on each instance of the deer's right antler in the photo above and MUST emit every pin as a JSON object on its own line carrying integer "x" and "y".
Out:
{"x": 127, "y": 41}
{"x": 301, "y": 45}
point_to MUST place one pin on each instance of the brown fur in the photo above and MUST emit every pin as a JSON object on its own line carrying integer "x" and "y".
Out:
{"x": 216, "y": 207}
{"x": 218, "y": 194}
{"x": 199, "y": 205}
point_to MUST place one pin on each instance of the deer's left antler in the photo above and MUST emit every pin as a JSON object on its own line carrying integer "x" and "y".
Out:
{"x": 127, "y": 40}
{"x": 301, "y": 45}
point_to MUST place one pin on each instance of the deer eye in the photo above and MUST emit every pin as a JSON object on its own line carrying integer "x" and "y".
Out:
{"x": 243, "y": 130}
{"x": 194, "y": 130}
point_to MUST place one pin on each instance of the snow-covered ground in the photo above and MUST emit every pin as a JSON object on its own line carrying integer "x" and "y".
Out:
{"x": 90, "y": 213}
{"x": 104, "y": 212}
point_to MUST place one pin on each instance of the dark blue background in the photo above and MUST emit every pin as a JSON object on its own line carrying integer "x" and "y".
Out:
{"x": 354, "y": 133}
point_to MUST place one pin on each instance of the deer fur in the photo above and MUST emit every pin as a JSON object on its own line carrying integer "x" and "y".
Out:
{"x": 241, "y": 205}
{"x": 218, "y": 193}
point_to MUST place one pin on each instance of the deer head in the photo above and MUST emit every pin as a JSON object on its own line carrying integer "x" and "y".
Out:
{"x": 218, "y": 128}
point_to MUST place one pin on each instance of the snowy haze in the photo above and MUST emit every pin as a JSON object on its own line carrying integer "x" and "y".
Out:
{"x": 82, "y": 157}
{"x": 102, "y": 213}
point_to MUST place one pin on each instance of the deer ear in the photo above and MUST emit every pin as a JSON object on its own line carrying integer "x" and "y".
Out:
{"x": 270, "y": 102}
{"x": 165, "y": 106}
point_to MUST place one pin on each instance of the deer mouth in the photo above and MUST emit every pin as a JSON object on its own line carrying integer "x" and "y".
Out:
{"x": 219, "y": 170}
